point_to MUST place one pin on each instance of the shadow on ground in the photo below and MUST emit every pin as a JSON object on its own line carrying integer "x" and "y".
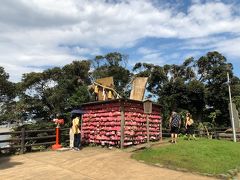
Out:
{"x": 5, "y": 163}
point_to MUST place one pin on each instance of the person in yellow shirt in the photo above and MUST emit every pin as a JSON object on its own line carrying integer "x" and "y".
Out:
{"x": 77, "y": 133}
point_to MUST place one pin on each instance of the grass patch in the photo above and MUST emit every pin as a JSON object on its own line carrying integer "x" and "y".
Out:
{"x": 203, "y": 155}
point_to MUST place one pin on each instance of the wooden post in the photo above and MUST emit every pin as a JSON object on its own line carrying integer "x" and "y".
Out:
{"x": 22, "y": 140}
{"x": 81, "y": 128}
{"x": 161, "y": 130}
{"x": 122, "y": 124}
{"x": 147, "y": 130}
{"x": 147, "y": 109}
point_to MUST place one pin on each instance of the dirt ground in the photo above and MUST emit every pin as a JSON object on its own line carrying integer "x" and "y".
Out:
{"x": 89, "y": 163}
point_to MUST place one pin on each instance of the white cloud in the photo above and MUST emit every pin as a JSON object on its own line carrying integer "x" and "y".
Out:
{"x": 206, "y": 19}
{"x": 81, "y": 50}
{"x": 15, "y": 70}
{"x": 230, "y": 47}
{"x": 152, "y": 56}
{"x": 146, "y": 51}
{"x": 39, "y": 32}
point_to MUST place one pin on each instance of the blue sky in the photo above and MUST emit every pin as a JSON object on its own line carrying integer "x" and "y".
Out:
{"x": 38, "y": 34}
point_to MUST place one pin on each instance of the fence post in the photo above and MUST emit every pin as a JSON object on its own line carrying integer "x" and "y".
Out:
{"x": 161, "y": 131}
{"x": 147, "y": 130}
{"x": 122, "y": 124}
{"x": 22, "y": 140}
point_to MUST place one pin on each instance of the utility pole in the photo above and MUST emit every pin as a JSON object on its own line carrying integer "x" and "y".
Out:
{"x": 231, "y": 109}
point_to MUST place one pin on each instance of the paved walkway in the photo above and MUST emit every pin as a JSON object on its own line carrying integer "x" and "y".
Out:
{"x": 89, "y": 163}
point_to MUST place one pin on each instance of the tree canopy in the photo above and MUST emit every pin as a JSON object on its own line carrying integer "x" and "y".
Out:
{"x": 199, "y": 86}
{"x": 112, "y": 64}
{"x": 7, "y": 94}
{"x": 195, "y": 85}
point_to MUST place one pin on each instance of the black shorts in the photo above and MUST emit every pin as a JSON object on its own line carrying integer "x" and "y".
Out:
{"x": 190, "y": 130}
{"x": 174, "y": 130}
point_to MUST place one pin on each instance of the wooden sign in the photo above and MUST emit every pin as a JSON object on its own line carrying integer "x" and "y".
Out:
{"x": 138, "y": 88}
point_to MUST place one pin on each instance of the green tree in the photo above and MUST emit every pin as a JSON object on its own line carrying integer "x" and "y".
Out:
{"x": 212, "y": 70}
{"x": 199, "y": 86}
{"x": 55, "y": 90}
{"x": 112, "y": 64}
{"x": 8, "y": 92}
{"x": 170, "y": 84}
{"x": 7, "y": 88}
{"x": 80, "y": 96}
{"x": 196, "y": 98}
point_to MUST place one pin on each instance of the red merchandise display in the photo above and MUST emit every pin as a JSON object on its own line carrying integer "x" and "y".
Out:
{"x": 103, "y": 121}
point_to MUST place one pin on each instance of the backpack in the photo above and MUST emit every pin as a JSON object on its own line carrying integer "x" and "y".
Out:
{"x": 175, "y": 120}
{"x": 191, "y": 122}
